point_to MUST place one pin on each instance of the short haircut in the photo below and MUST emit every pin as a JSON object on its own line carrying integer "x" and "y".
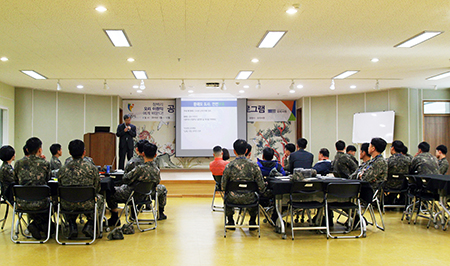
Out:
{"x": 240, "y": 146}
{"x": 350, "y": 148}
{"x": 405, "y": 150}
{"x": 55, "y": 148}
{"x": 150, "y": 150}
{"x": 302, "y": 142}
{"x": 76, "y": 148}
{"x": 398, "y": 146}
{"x": 268, "y": 154}
{"x": 33, "y": 145}
{"x": 25, "y": 150}
{"x": 365, "y": 148}
{"x": 140, "y": 145}
{"x": 249, "y": 149}
{"x": 6, "y": 153}
{"x": 226, "y": 154}
{"x": 290, "y": 147}
{"x": 442, "y": 148}
{"x": 340, "y": 145}
{"x": 217, "y": 150}
{"x": 325, "y": 152}
{"x": 379, "y": 144}
{"x": 125, "y": 117}
{"x": 424, "y": 146}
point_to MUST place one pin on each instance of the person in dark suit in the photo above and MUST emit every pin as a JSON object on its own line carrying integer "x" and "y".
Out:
{"x": 126, "y": 132}
{"x": 300, "y": 158}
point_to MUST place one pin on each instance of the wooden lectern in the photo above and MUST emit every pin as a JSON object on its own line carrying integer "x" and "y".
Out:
{"x": 101, "y": 147}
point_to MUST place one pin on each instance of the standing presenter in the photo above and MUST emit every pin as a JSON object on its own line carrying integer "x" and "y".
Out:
{"x": 126, "y": 132}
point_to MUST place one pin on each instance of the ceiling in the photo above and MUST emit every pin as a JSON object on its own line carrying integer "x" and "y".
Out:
{"x": 212, "y": 40}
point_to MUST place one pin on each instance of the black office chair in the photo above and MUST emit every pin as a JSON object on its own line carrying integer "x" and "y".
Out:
{"x": 307, "y": 196}
{"x": 140, "y": 197}
{"x": 78, "y": 195}
{"x": 349, "y": 191}
{"x": 217, "y": 188}
{"x": 401, "y": 190}
{"x": 28, "y": 194}
{"x": 241, "y": 187}
{"x": 426, "y": 202}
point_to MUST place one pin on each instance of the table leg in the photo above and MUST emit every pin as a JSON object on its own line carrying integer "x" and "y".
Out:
{"x": 279, "y": 222}
{"x": 443, "y": 203}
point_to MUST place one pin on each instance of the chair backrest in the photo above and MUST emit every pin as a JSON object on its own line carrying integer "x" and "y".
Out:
{"x": 76, "y": 194}
{"x": 305, "y": 187}
{"x": 31, "y": 193}
{"x": 217, "y": 178}
{"x": 393, "y": 177}
{"x": 144, "y": 188}
{"x": 242, "y": 186}
{"x": 344, "y": 190}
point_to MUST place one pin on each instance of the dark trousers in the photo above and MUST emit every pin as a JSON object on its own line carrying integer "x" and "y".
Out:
{"x": 122, "y": 153}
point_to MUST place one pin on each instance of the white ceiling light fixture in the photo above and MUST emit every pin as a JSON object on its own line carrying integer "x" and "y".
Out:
{"x": 377, "y": 85}
{"x": 140, "y": 74}
{"x": 374, "y": 60}
{"x": 130, "y": 59}
{"x": 258, "y": 85}
{"x": 346, "y": 74}
{"x": 417, "y": 39}
{"x": 332, "y": 87}
{"x": 80, "y": 87}
{"x": 4, "y": 59}
{"x": 58, "y": 86}
{"x": 182, "y": 85}
{"x": 223, "y": 87}
{"x": 291, "y": 87}
{"x": 293, "y": 9}
{"x": 241, "y": 91}
{"x": 353, "y": 87}
{"x": 142, "y": 86}
{"x": 135, "y": 87}
{"x": 271, "y": 38}
{"x": 105, "y": 85}
{"x": 255, "y": 60}
{"x": 101, "y": 9}
{"x": 439, "y": 76}
{"x": 33, "y": 74}
{"x": 246, "y": 86}
{"x": 138, "y": 91}
{"x": 299, "y": 86}
{"x": 118, "y": 38}
{"x": 190, "y": 91}
{"x": 291, "y": 91}
{"x": 244, "y": 74}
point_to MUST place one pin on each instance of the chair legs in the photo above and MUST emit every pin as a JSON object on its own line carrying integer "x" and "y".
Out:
{"x": 16, "y": 226}
{"x": 140, "y": 222}
{"x": 240, "y": 221}
{"x": 361, "y": 219}
{"x": 6, "y": 214}
{"x": 216, "y": 207}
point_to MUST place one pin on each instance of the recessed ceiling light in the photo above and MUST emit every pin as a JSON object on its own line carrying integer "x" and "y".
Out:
{"x": 190, "y": 91}
{"x": 255, "y": 60}
{"x": 244, "y": 74}
{"x": 375, "y": 60}
{"x": 118, "y": 38}
{"x": 293, "y": 9}
{"x": 130, "y": 59}
{"x": 292, "y": 91}
{"x": 4, "y": 59}
{"x": 419, "y": 38}
{"x": 80, "y": 86}
{"x": 271, "y": 38}
{"x": 299, "y": 86}
{"x": 440, "y": 76}
{"x": 33, "y": 74}
{"x": 346, "y": 74}
{"x": 138, "y": 91}
{"x": 241, "y": 91}
{"x": 246, "y": 86}
{"x": 140, "y": 74}
{"x": 352, "y": 87}
{"x": 136, "y": 87}
{"x": 101, "y": 9}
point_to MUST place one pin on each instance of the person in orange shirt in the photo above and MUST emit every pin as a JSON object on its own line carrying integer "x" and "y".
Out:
{"x": 218, "y": 165}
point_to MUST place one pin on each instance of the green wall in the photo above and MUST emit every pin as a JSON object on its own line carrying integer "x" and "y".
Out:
{"x": 7, "y": 103}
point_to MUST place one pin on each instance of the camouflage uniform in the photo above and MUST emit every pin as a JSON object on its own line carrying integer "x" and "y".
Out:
{"x": 354, "y": 159}
{"x": 375, "y": 171}
{"x": 77, "y": 173}
{"x": 6, "y": 180}
{"x": 161, "y": 189}
{"x": 443, "y": 166}
{"x": 397, "y": 164}
{"x": 354, "y": 175}
{"x": 343, "y": 165}
{"x": 286, "y": 164}
{"x": 86, "y": 158}
{"x": 55, "y": 165}
{"x": 245, "y": 170}
{"x": 424, "y": 164}
{"x": 147, "y": 172}
{"x": 409, "y": 156}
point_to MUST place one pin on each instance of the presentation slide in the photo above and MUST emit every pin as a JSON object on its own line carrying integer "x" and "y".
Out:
{"x": 205, "y": 123}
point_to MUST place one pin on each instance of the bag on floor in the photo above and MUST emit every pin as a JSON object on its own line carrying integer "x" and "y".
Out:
{"x": 116, "y": 234}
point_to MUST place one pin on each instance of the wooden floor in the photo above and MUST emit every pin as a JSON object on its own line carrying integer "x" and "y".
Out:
{"x": 193, "y": 235}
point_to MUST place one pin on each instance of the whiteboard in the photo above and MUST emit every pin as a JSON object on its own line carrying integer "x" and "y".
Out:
{"x": 373, "y": 125}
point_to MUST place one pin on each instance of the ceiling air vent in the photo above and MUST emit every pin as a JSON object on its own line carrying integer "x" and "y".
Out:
{"x": 212, "y": 85}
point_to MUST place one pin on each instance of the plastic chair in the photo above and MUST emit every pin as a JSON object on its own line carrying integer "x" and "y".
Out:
{"x": 305, "y": 194}
{"x": 402, "y": 190}
{"x": 30, "y": 194}
{"x": 217, "y": 188}
{"x": 241, "y": 187}
{"x": 349, "y": 191}
{"x": 78, "y": 195}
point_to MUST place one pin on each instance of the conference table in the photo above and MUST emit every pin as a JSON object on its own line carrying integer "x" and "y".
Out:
{"x": 106, "y": 183}
{"x": 282, "y": 186}
{"x": 439, "y": 184}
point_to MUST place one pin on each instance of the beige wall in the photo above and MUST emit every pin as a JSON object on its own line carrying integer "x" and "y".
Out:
{"x": 7, "y": 104}
{"x": 57, "y": 117}
{"x": 327, "y": 119}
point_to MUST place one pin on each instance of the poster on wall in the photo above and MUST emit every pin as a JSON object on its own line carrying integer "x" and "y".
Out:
{"x": 163, "y": 110}
{"x": 277, "y": 111}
